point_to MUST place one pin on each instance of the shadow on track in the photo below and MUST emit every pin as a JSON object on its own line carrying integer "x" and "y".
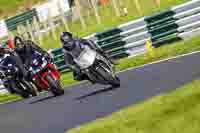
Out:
{"x": 96, "y": 92}
{"x": 41, "y": 100}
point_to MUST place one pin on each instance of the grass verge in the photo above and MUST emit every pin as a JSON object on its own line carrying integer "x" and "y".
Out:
{"x": 8, "y": 97}
{"x": 176, "y": 112}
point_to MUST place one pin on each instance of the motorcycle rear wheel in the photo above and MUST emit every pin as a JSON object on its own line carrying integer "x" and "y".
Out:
{"x": 20, "y": 90}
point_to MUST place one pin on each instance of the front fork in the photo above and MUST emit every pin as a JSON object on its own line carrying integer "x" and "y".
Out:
{"x": 109, "y": 64}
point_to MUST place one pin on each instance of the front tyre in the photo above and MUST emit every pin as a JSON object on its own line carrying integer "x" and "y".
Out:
{"x": 29, "y": 88}
{"x": 106, "y": 75}
{"x": 115, "y": 82}
{"x": 55, "y": 86}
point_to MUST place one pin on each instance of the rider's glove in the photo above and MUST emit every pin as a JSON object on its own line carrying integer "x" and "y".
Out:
{"x": 74, "y": 68}
{"x": 48, "y": 56}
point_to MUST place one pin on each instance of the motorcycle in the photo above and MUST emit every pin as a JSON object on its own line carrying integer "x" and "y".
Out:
{"x": 44, "y": 74}
{"x": 97, "y": 68}
{"x": 11, "y": 77}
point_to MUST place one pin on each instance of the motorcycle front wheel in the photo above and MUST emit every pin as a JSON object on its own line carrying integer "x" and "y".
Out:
{"x": 106, "y": 76}
{"x": 55, "y": 86}
{"x": 115, "y": 82}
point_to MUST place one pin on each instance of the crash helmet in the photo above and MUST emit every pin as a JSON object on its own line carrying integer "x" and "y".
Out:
{"x": 18, "y": 42}
{"x": 67, "y": 40}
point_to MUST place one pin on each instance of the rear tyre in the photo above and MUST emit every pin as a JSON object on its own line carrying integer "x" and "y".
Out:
{"x": 29, "y": 88}
{"x": 55, "y": 86}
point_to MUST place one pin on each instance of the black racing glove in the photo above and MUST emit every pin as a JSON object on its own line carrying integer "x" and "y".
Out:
{"x": 76, "y": 68}
{"x": 48, "y": 57}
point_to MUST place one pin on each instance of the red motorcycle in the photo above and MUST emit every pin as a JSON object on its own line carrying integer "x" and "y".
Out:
{"x": 45, "y": 75}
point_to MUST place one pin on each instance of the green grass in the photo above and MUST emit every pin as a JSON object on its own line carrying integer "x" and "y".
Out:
{"x": 8, "y": 97}
{"x": 106, "y": 13}
{"x": 10, "y": 7}
{"x": 166, "y": 51}
{"x": 176, "y": 112}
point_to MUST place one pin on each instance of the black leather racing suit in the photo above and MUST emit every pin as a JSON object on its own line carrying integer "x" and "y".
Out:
{"x": 13, "y": 56}
{"x": 25, "y": 53}
{"x": 78, "y": 46}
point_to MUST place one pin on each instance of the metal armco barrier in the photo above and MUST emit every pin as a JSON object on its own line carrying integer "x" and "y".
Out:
{"x": 181, "y": 22}
{"x": 20, "y": 19}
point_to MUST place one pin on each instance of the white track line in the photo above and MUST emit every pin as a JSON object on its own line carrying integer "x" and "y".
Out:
{"x": 159, "y": 61}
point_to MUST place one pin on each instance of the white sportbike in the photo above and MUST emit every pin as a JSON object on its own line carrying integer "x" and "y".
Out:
{"x": 97, "y": 68}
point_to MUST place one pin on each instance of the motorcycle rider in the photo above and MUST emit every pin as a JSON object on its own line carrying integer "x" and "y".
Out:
{"x": 25, "y": 48}
{"x": 73, "y": 46}
{"x": 13, "y": 56}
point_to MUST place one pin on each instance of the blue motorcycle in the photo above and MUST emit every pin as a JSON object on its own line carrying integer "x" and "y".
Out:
{"x": 12, "y": 78}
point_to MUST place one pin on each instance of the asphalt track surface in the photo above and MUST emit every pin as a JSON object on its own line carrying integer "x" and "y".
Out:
{"x": 84, "y": 103}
